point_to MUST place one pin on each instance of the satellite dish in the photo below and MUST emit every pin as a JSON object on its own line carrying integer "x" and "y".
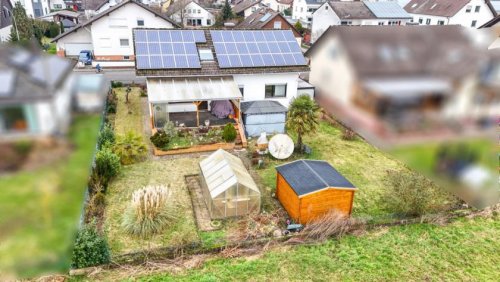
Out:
{"x": 281, "y": 146}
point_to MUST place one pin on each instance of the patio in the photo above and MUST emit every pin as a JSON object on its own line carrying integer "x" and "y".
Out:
{"x": 189, "y": 119}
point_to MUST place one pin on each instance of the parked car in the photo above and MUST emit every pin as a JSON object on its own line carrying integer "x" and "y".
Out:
{"x": 85, "y": 57}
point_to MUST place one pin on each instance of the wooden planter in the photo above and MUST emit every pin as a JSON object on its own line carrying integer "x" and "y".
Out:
{"x": 194, "y": 149}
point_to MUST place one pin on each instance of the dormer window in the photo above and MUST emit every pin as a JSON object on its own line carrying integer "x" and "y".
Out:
{"x": 468, "y": 8}
{"x": 206, "y": 55}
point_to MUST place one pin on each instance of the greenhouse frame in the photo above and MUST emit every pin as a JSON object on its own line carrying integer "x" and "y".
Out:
{"x": 227, "y": 187}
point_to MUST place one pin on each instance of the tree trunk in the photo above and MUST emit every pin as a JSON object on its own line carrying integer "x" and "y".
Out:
{"x": 299, "y": 142}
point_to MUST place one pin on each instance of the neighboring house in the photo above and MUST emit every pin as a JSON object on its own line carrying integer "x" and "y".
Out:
{"x": 6, "y": 20}
{"x": 283, "y": 5}
{"x": 105, "y": 5}
{"x": 190, "y": 13}
{"x": 35, "y": 94}
{"x": 356, "y": 13}
{"x": 109, "y": 35}
{"x": 216, "y": 70}
{"x": 266, "y": 18}
{"x": 247, "y": 7}
{"x": 58, "y": 16}
{"x": 35, "y": 8}
{"x": 468, "y": 13}
{"x": 57, "y": 5}
{"x": 493, "y": 23}
{"x": 386, "y": 79}
{"x": 303, "y": 10}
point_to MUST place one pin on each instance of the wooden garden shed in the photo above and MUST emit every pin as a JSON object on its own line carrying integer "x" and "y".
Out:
{"x": 308, "y": 189}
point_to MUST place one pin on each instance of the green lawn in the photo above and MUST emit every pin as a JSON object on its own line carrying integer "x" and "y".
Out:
{"x": 129, "y": 117}
{"x": 361, "y": 163}
{"x": 40, "y": 209}
{"x": 465, "y": 250}
{"x": 422, "y": 157}
{"x": 159, "y": 172}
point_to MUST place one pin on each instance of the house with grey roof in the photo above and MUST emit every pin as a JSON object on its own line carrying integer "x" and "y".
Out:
{"x": 386, "y": 80}
{"x": 35, "y": 94}
{"x": 334, "y": 13}
{"x": 108, "y": 35}
{"x": 246, "y": 7}
{"x": 468, "y": 13}
{"x": 5, "y": 20}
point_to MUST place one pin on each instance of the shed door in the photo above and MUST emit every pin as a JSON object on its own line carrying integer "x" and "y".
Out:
{"x": 73, "y": 49}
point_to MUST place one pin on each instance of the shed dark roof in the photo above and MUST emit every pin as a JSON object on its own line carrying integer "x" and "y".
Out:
{"x": 308, "y": 176}
{"x": 262, "y": 107}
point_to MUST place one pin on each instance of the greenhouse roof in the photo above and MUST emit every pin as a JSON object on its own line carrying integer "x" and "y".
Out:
{"x": 222, "y": 170}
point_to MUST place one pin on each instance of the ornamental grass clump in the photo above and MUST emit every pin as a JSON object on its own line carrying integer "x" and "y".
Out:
{"x": 150, "y": 212}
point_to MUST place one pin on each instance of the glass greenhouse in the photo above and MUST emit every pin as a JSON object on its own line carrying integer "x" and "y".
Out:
{"x": 227, "y": 186}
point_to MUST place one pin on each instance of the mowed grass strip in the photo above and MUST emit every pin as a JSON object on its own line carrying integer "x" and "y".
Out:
{"x": 129, "y": 116}
{"x": 167, "y": 172}
{"x": 466, "y": 250}
{"x": 40, "y": 209}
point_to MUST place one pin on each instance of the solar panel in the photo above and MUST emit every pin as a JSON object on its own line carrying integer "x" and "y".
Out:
{"x": 167, "y": 49}
{"x": 256, "y": 48}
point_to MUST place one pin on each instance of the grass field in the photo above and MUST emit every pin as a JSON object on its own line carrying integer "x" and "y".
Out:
{"x": 129, "y": 117}
{"x": 40, "y": 209}
{"x": 465, "y": 250}
{"x": 159, "y": 172}
{"x": 361, "y": 163}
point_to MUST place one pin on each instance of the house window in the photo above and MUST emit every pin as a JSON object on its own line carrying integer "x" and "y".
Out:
{"x": 242, "y": 89}
{"x": 473, "y": 24}
{"x": 276, "y": 91}
{"x": 420, "y": 20}
{"x": 477, "y": 9}
{"x": 326, "y": 7}
{"x": 124, "y": 42}
{"x": 380, "y": 23}
{"x": 206, "y": 55}
{"x": 277, "y": 25}
{"x": 57, "y": 6}
{"x": 440, "y": 22}
{"x": 13, "y": 119}
{"x": 345, "y": 22}
{"x": 140, "y": 22}
{"x": 468, "y": 8}
{"x": 209, "y": 22}
{"x": 199, "y": 11}
{"x": 428, "y": 21}
{"x": 126, "y": 57}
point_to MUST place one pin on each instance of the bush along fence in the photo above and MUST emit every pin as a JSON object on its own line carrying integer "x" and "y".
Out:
{"x": 91, "y": 247}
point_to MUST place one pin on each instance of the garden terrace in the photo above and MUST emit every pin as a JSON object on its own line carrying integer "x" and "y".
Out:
{"x": 189, "y": 119}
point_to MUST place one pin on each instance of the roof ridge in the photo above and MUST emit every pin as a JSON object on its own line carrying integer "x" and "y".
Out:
{"x": 315, "y": 173}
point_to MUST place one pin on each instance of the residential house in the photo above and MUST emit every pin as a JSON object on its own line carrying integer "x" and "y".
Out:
{"x": 56, "y": 5}
{"x": 266, "y": 18}
{"x": 468, "y": 13}
{"x": 58, "y": 16}
{"x": 284, "y": 5}
{"x": 35, "y": 8}
{"x": 35, "y": 94}
{"x": 247, "y": 7}
{"x": 203, "y": 75}
{"x": 356, "y": 13}
{"x": 109, "y": 35}
{"x": 385, "y": 80}
{"x": 493, "y": 23}
{"x": 5, "y": 20}
{"x": 190, "y": 13}
{"x": 303, "y": 10}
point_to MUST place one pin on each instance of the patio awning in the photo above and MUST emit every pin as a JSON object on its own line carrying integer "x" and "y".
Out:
{"x": 169, "y": 90}
{"x": 408, "y": 88}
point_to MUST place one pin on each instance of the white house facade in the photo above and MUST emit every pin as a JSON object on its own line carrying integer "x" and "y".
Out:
{"x": 109, "y": 35}
{"x": 35, "y": 8}
{"x": 193, "y": 15}
{"x": 467, "y": 13}
{"x": 303, "y": 10}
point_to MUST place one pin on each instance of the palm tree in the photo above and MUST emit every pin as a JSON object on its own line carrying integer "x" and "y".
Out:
{"x": 302, "y": 118}
{"x": 130, "y": 148}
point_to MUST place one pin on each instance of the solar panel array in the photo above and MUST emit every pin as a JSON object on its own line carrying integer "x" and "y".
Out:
{"x": 384, "y": 9}
{"x": 167, "y": 49}
{"x": 256, "y": 48}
